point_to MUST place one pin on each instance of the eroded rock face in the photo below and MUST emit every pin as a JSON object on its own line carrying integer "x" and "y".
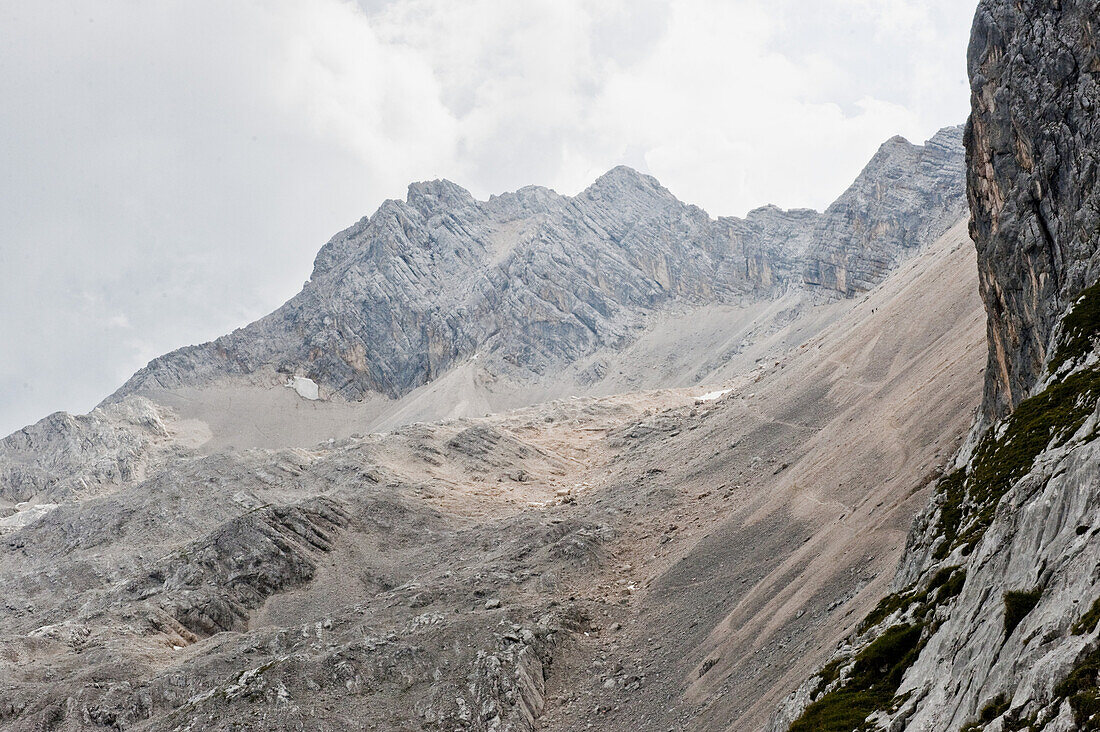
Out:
{"x": 1032, "y": 154}
{"x": 62, "y": 452}
{"x": 890, "y": 211}
{"x": 532, "y": 280}
{"x": 994, "y": 618}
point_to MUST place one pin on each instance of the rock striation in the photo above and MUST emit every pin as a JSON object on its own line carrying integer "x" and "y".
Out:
{"x": 993, "y": 621}
{"x": 530, "y": 281}
{"x": 895, "y": 207}
{"x": 64, "y": 454}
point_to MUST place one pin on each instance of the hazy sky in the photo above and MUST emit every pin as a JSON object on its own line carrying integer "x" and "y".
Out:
{"x": 171, "y": 167}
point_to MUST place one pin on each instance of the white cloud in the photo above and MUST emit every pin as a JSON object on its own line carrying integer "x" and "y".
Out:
{"x": 174, "y": 166}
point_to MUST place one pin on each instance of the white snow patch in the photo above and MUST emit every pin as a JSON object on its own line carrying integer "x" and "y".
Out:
{"x": 711, "y": 396}
{"x": 26, "y": 515}
{"x": 306, "y": 388}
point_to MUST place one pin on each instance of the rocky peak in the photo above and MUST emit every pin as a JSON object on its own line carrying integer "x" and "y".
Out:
{"x": 432, "y": 197}
{"x": 623, "y": 179}
{"x": 905, "y": 196}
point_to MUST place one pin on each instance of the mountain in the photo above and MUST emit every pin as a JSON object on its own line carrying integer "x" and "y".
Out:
{"x": 535, "y": 286}
{"x": 678, "y": 558}
{"x": 991, "y": 622}
{"x": 543, "y": 460}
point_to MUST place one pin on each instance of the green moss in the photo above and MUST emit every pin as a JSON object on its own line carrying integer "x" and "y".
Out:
{"x": 1031, "y": 724}
{"x": 944, "y": 585}
{"x": 872, "y": 685}
{"x": 1017, "y": 605}
{"x": 954, "y": 584}
{"x": 993, "y": 709}
{"x": 886, "y": 607}
{"x": 1088, "y": 621}
{"x": 830, "y": 673}
{"x": 1080, "y": 329}
{"x": 968, "y": 502}
{"x": 1081, "y": 689}
{"x": 877, "y": 670}
{"x": 952, "y": 489}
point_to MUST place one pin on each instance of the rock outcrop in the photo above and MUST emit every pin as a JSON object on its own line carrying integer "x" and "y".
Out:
{"x": 1032, "y": 178}
{"x": 62, "y": 454}
{"x": 531, "y": 281}
{"x": 993, "y": 618}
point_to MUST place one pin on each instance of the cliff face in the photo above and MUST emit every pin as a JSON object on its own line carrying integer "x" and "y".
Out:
{"x": 532, "y": 280}
{"x": 995, "y": 611}
{"x": 1032, "y": 165}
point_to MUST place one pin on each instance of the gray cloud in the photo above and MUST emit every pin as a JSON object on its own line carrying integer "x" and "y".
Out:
{"x": 174, "y": 166}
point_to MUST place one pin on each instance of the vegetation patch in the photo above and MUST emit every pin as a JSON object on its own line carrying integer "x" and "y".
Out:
{"x": 876, "y": 671}
{"x": 1080, "y": 329}
{"x": 952, "y": 490}
{"x": 993, "y": 709}
{"x": 1017, "y": 606}
{"x": 968, "y": 501}
{"x": 944, "y": 585}
{"x": 872, "y": 685}
{"x": 1088, "y": 621}
{"x": 1081, "y": 689}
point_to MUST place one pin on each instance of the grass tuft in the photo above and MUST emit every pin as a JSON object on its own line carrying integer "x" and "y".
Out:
{"x": 872, "y": 685}
{"x": 1080, "y": 329}
{"x": 968, "y": 501}
{"x": 1089, "y": 620}
{"x": 1018, "y": 604}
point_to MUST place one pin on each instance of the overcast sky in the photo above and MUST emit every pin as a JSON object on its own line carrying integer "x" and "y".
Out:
{"x": 171, "y": 167}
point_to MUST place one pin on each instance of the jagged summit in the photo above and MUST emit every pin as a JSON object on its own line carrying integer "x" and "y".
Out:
{"x": 623, "y": 180}
{"x": 429, "y": 197}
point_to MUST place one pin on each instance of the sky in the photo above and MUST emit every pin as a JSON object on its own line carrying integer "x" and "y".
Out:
{"x": 171, "y": 167}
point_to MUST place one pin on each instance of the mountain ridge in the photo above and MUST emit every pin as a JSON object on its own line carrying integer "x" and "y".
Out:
{"x": 532, "y": 281}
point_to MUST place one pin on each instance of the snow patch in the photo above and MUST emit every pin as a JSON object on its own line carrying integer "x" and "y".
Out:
{"x": 306, "y": 388}
{"x": 25, "y": 515}
{"x": 713, "y": 395}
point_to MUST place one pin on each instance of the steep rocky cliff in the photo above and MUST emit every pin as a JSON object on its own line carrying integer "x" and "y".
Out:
{"x": 1032, "y": 153}
{"x": 994, "y": 618}
{"x": 532, "y": 280}
{"x": 886, "y": 215}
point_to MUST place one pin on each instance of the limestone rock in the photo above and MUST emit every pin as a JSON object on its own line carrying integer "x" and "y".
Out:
{"x": 1032, "y": 150}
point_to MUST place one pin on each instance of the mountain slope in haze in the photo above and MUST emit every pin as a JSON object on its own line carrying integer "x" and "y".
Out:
{"x": 667, "y": 559}
{"x": 532, "y": 284}
{"x": 992, "y": 620}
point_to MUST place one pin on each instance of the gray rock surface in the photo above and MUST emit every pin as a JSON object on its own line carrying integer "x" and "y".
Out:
{"x": 532, "y": 281}
{"x": 898, "y": 204}
{"x": 63, "y": 455}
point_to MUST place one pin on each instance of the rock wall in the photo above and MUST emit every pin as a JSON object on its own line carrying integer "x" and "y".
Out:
{"x": 895, "y": 206}
{"x": 1032, "y": 165}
